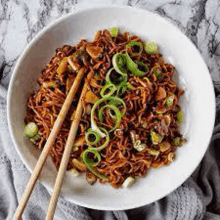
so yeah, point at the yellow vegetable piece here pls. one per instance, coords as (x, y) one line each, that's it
(62, 67)
(91, 97)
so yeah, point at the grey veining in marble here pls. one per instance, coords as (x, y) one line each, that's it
(21, 20)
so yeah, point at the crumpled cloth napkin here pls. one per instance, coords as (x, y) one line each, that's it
(197, 198)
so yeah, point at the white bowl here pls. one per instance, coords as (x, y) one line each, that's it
(198, 103)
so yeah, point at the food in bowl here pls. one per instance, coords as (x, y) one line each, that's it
(131, 112)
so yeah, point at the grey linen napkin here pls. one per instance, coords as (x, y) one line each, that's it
(197, 198)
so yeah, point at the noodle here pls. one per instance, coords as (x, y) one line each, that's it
(145, 111)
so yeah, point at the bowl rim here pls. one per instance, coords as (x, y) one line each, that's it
(53, 24)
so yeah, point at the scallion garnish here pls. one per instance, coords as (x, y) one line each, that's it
(92, 137)
(135, 44)
(150, 47)
(109, 89)
(90, 163)
(114, 31)
(31, 129)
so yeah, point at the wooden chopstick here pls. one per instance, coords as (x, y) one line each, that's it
(67, 151)
(50, 141)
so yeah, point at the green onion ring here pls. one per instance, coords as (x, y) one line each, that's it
(107, 78)
(95, 133)
(97, 103)
(118, 62)
(133, 67)
(90, 164)
(135, 43)
(116, 111)
(112, 89)
(105, 144)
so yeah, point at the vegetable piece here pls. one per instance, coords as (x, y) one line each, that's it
(35, 138)
(177, 141)
(161, 109)
(139, 146)
(73, 64)
(123, 79)
(31, 129)
(119, 63)
(111, 88)
(90, 97)
(74, 172)
(161, 93)
(91, 178)
(105, 143)
(135, 44)
(111, 100)
(128, 182)
(117, 114)
(90, 164)
(114, 31)
(154, 152)
(133, 67)
(79, 165)
(170, 157)
(142, 66)
(92, 137)
(169, 101)
(179, 117)
(164, 146)
(157, 72)
(150, 47)
(156, 138)
(62, 67)
(51, 84)
(94, 51)
(167, 119)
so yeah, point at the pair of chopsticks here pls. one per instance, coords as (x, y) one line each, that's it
(50, 141)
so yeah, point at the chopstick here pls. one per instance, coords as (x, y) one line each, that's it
(50, 141)
(67, 151)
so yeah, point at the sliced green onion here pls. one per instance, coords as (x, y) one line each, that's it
(128, 182)
(114, 31)
(110, 99)
(157, 73)
(169, 101)
(123, 79)
(156, 138)
(144, 66)
(90, 164)
(117, 114)
(154, 152)
(105, 143)
(119, 63)
(31, 129)
(179, 117)
(111, 87)
(95, 134)
(135, 43)
(133, 67)
(177, 141)
(139, 146)
(150, 47)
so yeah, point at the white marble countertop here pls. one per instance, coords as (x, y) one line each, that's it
(21, 20)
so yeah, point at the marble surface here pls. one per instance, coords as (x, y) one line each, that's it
(21, 20)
